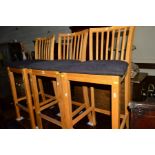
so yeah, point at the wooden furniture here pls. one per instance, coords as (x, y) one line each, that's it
(43, 48)
(115, 43)
(138, 83)
(70, 47)
(142, 114)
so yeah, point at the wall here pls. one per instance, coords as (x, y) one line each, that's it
(145, 46)
(26, 34)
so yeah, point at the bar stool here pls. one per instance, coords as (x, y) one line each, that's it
(110, 64)
(71, 50)
(43, 48)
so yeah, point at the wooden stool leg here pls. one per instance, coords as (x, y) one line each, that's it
(54, 83)
(41, 88)
(29, 99)
(93, 105)
(36, 101)
(127, 98)
(87, 103)
(14, 94)
(66, 102)
(116, 104)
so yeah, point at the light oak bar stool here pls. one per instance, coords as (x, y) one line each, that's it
(73, 47)
(71, 50)
(110, 64)
(43, 49)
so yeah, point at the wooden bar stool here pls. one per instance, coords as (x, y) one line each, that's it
(73, 47)
(110, 64)
(71, 50)
(43, 49)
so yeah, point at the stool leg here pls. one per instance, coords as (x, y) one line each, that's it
(66, 102)
(116, 104)
(29, 99)
(127, 98)
(40, 84)
(36, 101)
(14, 94)
(87, 103)
(93, 105)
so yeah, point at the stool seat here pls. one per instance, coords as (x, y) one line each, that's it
(97, 67)
(21, 64)
(53, 65)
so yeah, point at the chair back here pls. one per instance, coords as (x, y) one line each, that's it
(111, 43)
(73, 46)
(44, 48)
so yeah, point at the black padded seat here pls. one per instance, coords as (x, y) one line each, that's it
(98, 67)
(53, 65)
(22, 64)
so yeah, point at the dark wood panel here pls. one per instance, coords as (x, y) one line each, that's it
(146, 65)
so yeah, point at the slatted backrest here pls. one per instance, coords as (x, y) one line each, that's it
(44, 48)
(111, 43)
(72, 46)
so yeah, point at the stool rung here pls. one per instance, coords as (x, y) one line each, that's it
(21, 98)
(48, 105)
(52, 120)
(123, 122)
(46, 101)
(22, 107)
(78, 110)
(77, 103)
(78, 118)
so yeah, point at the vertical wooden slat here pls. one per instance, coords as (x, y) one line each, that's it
(107, 46)
(64, 46)
(59, 47)
(71, 48)
(49, 49)
(52, 48)
(97, 42)
(81, 46)
(112, 45)
(42, 50)
(118, 45)
(36, 49)
(90, 45)
(77, 48)
(74, 53)
(102, 44)
(67, 54)
(39, 49)
(45, 49)
(84, 46)
(123, 45)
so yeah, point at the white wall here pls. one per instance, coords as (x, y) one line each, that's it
(145, 46)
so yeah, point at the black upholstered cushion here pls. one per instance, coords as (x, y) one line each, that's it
(106, 67)
(22, 64)
(53, 65)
